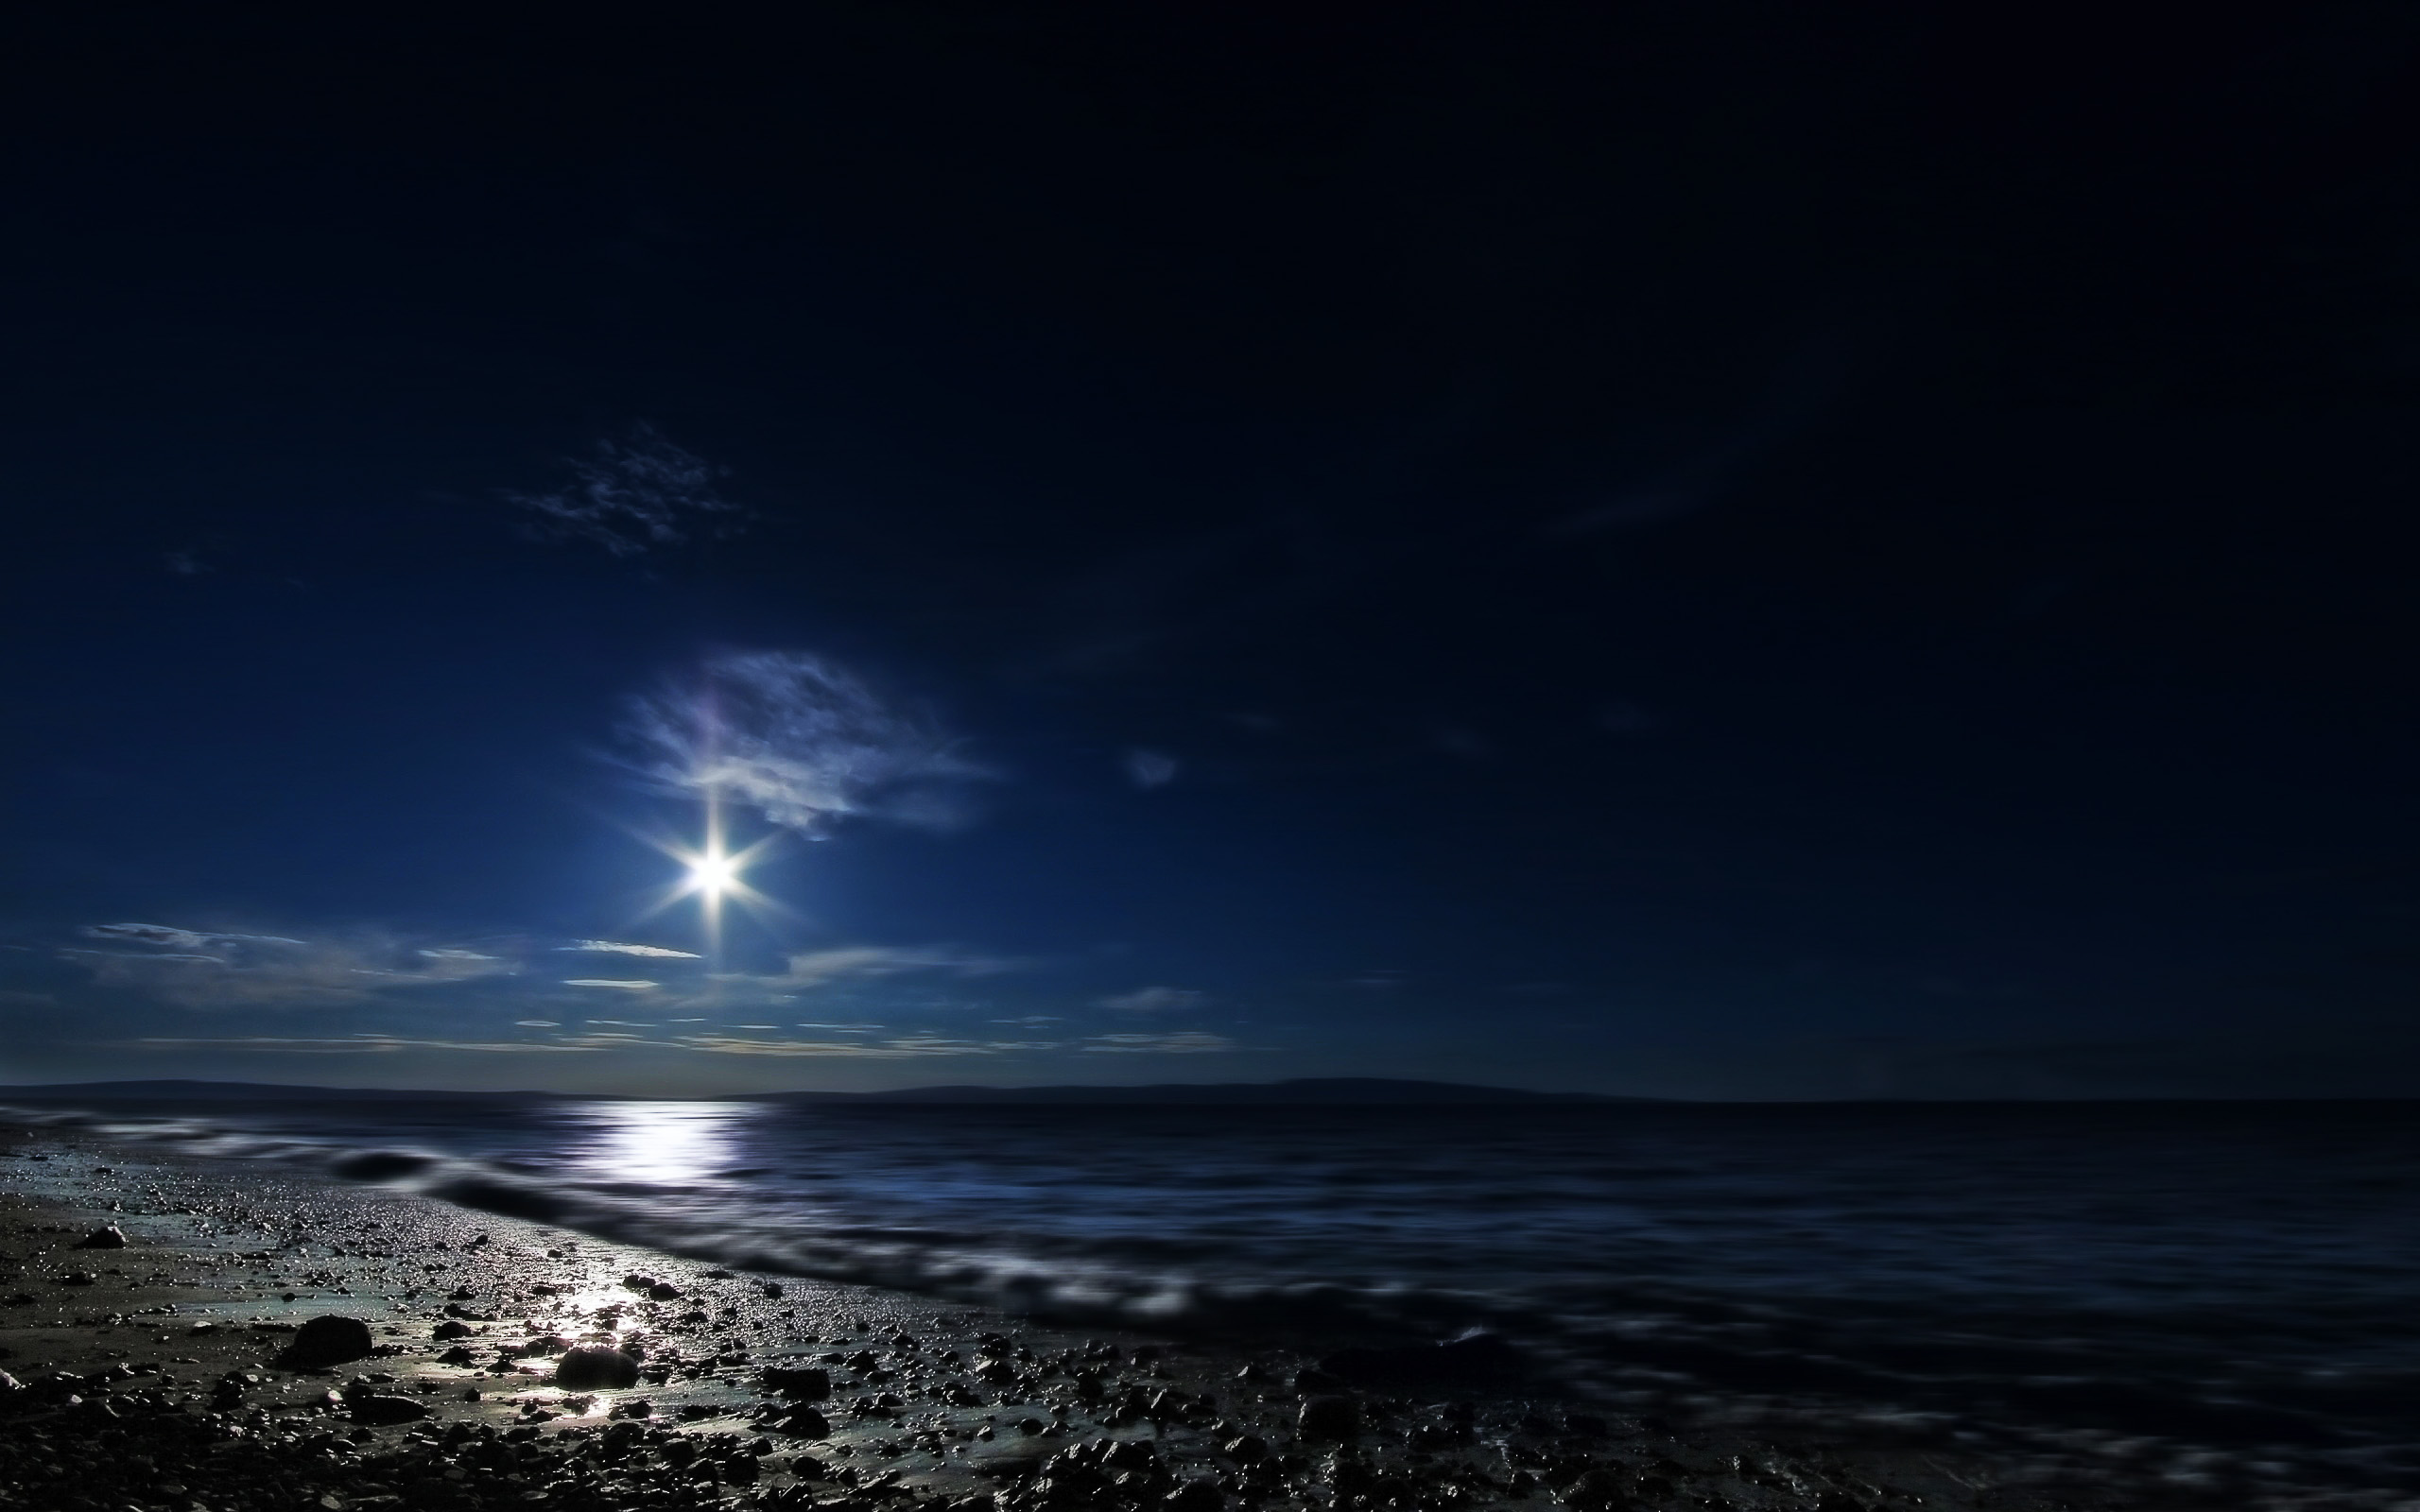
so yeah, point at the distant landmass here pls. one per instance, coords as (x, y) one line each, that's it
(1327, 1091)
(249, 1092)
(1324, 1092)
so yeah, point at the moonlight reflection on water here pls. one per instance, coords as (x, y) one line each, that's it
(657, 1144)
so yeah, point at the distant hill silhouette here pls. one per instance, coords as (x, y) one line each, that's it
(1324, 1091)
(249, 1091)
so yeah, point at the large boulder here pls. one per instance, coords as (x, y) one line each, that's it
(111, 1237)
(327, 1340)
(594, 1367)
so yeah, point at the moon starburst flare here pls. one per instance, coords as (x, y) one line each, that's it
(713, 873)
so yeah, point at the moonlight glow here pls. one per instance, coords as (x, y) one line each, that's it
(713, 875)
(712, 872)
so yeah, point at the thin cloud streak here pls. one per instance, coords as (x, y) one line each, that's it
(1191, 1043)
(361, 1045)
(1154, 1000)
(609, 947)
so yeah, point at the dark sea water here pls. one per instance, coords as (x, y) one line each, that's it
(2244, 1277)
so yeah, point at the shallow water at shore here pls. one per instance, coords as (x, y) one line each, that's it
(2230, 1278)
(160, 1372)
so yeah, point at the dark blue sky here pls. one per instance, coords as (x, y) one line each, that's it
(1707, 550)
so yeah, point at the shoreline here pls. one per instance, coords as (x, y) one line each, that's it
(151, 1381)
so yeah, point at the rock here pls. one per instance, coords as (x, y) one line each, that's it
(451, 1329)
(78, 1277)
(1195, 1496)
(1331, 1417)
(592, 1367)
(1131, 1455)
(665, 1292)
(803, 1422)
(327, 1340)
(1596, 1490)
(798, 1381)
(772, 1289)
(111, 1237)
(457, 1355)
(385, 1409)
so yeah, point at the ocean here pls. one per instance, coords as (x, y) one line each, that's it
(2238, 1277)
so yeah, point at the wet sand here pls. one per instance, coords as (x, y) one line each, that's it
(160, 1375)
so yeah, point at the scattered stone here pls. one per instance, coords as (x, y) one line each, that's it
(111, 1237)
(799, 1381)
(802, 1421)
(1195, 1496)
(1596, 1490)
(326, 1340)
(1330, 1419)
(594, 1366)
(384, 1410)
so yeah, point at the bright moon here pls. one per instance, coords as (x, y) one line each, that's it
(712, 874)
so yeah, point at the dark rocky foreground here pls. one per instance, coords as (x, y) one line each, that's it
(240, 1339)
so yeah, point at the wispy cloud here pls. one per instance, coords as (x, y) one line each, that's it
(1150, 768)
(1191, 1043)
(906, 1048)
(1154, 999)
(222, 970)
(618, 982)
(366, 1044)
(636, 494)
(609, 947)
(193, 942)
(801, 740)
(813, 968)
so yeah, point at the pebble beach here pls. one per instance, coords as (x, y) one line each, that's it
(182, 1335)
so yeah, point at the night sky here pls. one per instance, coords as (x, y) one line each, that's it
(1690, 549)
